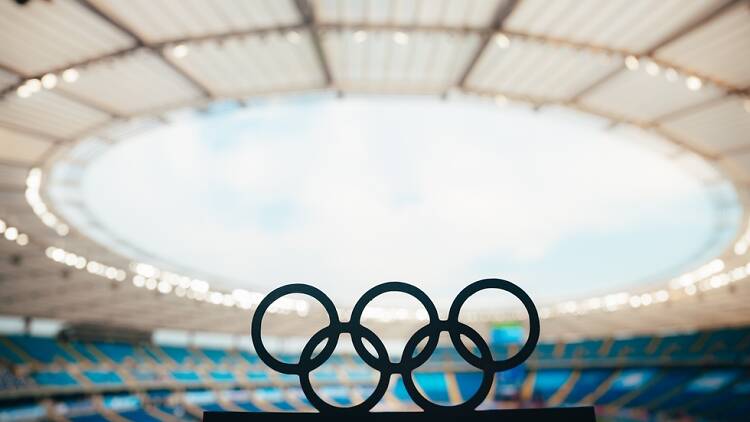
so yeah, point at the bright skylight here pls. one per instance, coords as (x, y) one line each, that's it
(348, 193)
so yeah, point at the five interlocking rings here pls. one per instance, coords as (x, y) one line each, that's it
(408, 362)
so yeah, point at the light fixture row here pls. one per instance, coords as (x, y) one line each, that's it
(80, 262)
(34, 199)
(48, 81)
(12, 234)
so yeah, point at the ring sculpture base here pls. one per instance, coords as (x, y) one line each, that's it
(562, 414)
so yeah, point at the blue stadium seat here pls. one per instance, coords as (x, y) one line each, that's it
(585, 349)
(629, 347)
(222, 376)
(215, 355)
(705, 384)
(138, 415)
(433, 385)
(548, 381)
(186, 376)
(468, 383)
(102, 377)
(178, 354)
(627, 381)
(54, 378)
(117, 352)
(588, 381)
(249, 357)
(43, 349)
(544, 351)
(95, 417)
(9, 356)
(247, 406)
(84, 351)
(259, 376)
(664, 382)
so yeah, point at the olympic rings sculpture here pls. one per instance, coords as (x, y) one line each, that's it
(408, 362)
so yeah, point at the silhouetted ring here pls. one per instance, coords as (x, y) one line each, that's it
(485, 356)
(313, 397)
(404, 364)
(495, 283)
(304, 366)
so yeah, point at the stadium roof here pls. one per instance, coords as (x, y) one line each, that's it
(76, 70)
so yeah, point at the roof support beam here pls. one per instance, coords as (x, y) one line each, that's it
(679, 33)
(501, 15)
(308, 17)
(140, 43)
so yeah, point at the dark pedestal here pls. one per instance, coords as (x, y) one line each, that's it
(572, 414)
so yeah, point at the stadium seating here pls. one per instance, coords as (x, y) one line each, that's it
(704, 373)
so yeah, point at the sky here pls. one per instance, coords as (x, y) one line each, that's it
(347, 193)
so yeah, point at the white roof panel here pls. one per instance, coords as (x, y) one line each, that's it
(249, 65)
(20, 147)
(46, 35)
(633, 25)
(415, 62)
(49, 113)
(539, 70)
(132, 83)
(435, 13)
(160, 20)
(721, 127)
(636, 95)
(720, 49)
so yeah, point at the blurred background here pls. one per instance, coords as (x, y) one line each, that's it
(164, 164)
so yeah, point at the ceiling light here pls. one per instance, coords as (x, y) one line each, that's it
(34, 85)
(671, 75)
(631, 62)
(401, 38)
(502, 41)
(2, 226)
(49, 81)
(652, 68)
(70, 75)
(11, 233)
(180, 51)
(360, 36)
(693, 83)
(22, 239)
(293, 37)
(23, 91)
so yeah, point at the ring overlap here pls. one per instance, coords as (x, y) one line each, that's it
(309, 361)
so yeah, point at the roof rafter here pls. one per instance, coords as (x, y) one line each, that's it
(308, 18)
(674, 36)
(142, 44)
(504, 11)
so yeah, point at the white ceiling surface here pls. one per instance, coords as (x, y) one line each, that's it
(719, 49)
(638, 96)
(143, 82)
(427, 63)
(238, 67)
(162, 20)
(129, 80)
(418, 13)
(633, 25)
(55, 34)
(529, 68)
